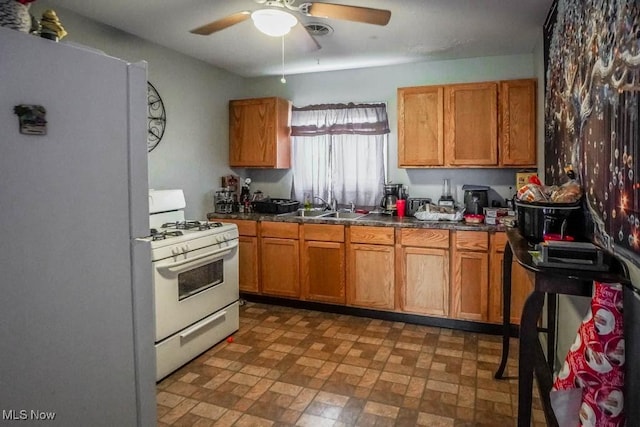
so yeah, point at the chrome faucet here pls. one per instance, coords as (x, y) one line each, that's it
(352, 207)
(326, 204)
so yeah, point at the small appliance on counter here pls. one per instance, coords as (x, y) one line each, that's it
(274, 206)
(537, 219)
(224, 201)
(446, 199)
(390, 195)
(476, 198)
(414, 203)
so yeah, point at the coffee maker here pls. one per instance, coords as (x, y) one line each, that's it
(390, 195)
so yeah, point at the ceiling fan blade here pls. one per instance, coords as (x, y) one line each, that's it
(302, 37)
(350, 13)
(223, 23)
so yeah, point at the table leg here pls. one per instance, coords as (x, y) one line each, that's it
(528, 339)
(506, 308)
(552, 300)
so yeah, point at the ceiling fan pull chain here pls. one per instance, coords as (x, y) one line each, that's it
(283, 80)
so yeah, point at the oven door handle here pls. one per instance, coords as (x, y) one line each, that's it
(196, 328)
(200, 259)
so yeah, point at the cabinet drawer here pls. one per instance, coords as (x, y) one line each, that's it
(246, 227)
(499, 241)
(424, 238)
(472, 240)
(282, 230)
(371, 235)
(323, 232)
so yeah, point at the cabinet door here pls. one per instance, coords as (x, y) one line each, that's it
(518, 123)
(248, 250)
(280, 267)
(248, 253)
(323, 271)
(246, 227)
(420, 126)
(259, 133)
(471, 124)
(424, 281)
(470, 275)
(370, 276)
(521, 283)
(470, 285)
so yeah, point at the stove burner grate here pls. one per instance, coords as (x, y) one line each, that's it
(192, 225)
(161, 235)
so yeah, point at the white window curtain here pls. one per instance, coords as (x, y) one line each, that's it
(338, 152)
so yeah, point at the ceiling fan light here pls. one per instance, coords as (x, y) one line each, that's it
(273, 22)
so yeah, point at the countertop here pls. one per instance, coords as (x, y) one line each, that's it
(371, 219)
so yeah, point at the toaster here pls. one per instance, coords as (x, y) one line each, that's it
(413, 203)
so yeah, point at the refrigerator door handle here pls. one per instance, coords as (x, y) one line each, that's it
(198, 327)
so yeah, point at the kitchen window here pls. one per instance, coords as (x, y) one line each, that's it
(339, 152)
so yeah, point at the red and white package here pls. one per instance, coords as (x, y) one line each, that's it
(595, 361)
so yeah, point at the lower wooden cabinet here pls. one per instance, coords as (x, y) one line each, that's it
(521, 282)
(248, 254)
(280, 253)
(248, 248)
(422, 276)
(470, 275)
(452, 274)
(322, 263)
(371, 267)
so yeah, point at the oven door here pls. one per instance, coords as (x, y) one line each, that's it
(191, 286)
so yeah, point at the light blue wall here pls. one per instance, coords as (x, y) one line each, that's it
(380, 84)
(193, 153)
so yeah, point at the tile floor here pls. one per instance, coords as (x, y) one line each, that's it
(293, 367)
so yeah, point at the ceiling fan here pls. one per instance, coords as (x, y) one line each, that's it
(275, 19)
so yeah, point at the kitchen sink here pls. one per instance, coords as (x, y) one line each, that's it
(343, 215)
(322, 214)
(313, 213)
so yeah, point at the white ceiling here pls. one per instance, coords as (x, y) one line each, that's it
(419, 30)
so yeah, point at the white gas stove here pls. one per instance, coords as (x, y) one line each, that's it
(195, 274)
(181, 237)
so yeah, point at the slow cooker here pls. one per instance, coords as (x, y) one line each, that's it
(535, 219)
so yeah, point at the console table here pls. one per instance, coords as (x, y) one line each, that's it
(549, 282)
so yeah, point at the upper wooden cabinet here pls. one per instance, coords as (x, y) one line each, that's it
(485, 125)
(518, 122)
(471, 124)
(259, 133)
(421, 126)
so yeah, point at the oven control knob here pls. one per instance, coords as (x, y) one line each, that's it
(219, 239)
(175, 251)
(185, 249)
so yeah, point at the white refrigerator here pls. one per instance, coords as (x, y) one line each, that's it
(76, 302)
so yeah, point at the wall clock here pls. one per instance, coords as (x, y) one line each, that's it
(156, 117)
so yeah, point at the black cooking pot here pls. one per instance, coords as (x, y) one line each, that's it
(535, 219)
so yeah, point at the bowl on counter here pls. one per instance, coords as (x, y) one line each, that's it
(474, 218)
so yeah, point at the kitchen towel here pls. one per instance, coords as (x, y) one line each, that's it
(595, 365)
